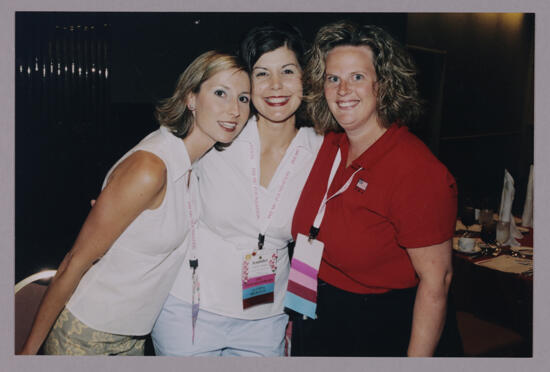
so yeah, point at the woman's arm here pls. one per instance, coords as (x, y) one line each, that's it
(434, 268)
(138, 183)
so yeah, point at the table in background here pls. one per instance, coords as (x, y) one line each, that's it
(498, 297)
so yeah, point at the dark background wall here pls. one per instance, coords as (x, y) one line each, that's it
(476, 73)
(487, 109)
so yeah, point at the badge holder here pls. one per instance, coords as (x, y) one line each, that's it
(301, 295)
(258, 275)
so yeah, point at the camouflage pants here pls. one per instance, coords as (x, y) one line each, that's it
(69, 336)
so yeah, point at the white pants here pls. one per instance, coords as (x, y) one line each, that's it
(216, 335)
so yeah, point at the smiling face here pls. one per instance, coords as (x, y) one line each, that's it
(350, 87)
(277, 85)
(221, 107)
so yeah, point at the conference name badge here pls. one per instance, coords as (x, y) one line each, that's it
(301, 295)
(258, 277)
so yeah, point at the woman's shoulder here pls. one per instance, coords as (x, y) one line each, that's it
(414, 156)
(311, 139)
(156, 140)
(143, 168)
(146, 160)
(412, 148)
(332, 141)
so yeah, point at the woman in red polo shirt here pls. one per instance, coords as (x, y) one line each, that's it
(386, 265)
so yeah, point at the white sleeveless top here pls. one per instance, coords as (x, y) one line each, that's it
(229, 226)
(124, 291)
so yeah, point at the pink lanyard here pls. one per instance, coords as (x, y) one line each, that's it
(265, 220)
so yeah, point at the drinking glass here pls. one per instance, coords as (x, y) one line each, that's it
(485, 216)
(468, 216)
(488, 232)
(503, 233)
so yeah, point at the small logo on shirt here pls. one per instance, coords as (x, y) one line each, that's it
(361, 185)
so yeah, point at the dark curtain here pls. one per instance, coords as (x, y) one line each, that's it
(62, 114)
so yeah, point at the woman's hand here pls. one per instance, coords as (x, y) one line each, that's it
(434, 268)
(138, 183)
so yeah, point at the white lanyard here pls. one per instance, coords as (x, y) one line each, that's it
(265, 220)
(193, 229)
(193, 263)
(193, 225)
(322, 208)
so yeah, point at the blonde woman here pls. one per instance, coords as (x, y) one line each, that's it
(110, 287)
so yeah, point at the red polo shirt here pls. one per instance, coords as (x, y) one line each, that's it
(403, 198)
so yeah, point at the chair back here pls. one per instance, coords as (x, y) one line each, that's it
(28, 295)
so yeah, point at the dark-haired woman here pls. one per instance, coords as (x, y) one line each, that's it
(110, 287)
(248, 193)
(386, 264)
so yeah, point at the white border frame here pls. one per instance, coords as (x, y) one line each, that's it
(541, 344)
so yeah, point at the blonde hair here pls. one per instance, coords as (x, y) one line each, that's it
(173, 112)
(397, 98)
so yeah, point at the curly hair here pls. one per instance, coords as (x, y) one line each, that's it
(173, 112)
(397, 98)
